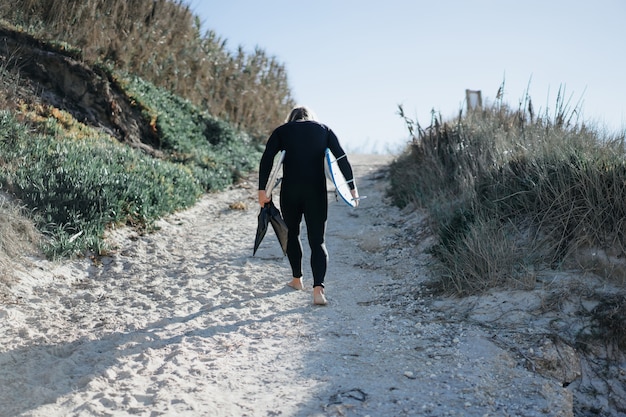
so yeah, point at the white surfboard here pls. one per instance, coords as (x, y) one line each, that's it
(333, 173)
(274, 180)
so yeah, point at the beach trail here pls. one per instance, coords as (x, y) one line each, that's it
(184, 321)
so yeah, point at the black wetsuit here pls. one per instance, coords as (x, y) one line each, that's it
(303, 189)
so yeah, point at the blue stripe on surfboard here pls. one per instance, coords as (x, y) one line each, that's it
(341, 185)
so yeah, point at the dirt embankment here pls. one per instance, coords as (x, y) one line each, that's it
(59, 78)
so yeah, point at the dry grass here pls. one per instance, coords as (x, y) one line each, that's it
(488, 255)
(500, 182)
(18, 236)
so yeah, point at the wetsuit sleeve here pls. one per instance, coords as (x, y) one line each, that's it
(342, 158)
(267, 159)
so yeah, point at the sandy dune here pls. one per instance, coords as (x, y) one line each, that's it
(185, 322)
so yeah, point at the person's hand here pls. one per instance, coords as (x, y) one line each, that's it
(263, 198)
(355, 196)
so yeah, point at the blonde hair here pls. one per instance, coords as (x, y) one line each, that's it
(301, 113)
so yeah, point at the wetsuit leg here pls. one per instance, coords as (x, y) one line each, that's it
(292, 212)
(315, 215)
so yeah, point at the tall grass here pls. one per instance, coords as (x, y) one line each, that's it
(510, 192)
(160, 41)
(18, 236)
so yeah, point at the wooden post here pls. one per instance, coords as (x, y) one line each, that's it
(474, 100)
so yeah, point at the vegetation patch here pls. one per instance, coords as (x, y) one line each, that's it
(18, 236)
(111, 117)
(214, 151)
(510, 192)
(77, 187)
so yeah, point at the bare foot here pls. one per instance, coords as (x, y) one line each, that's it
(318, 296)
(296, 284)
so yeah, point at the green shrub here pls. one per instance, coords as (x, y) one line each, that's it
(76, 188)
(215, 152)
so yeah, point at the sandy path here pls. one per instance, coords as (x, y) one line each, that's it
(184, 321)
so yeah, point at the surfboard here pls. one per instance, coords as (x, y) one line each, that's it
(333, 173)
(274, 180)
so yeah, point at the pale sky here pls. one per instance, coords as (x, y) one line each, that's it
(353, 62)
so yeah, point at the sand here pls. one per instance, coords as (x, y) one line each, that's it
(184, 321)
